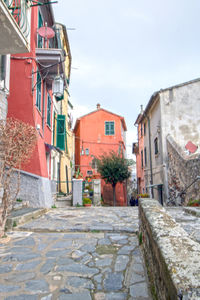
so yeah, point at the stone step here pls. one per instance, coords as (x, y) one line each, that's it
(59, 203)
(23, 215)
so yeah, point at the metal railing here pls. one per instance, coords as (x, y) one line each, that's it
(183, 192)
(18, 9)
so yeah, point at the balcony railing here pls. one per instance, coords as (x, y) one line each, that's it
(18, 9)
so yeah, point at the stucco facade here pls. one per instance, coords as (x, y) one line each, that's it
(138, 149)
(97, 133)
(15, 38)
(171, 112)
(32, 100)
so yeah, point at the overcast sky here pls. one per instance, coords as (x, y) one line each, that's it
(125, 50)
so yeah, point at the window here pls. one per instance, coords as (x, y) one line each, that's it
(141, 130)
(142, 164)
(109, 128)
(87, 151)
(61, 132)
(156, 146)
(40, 24)
(49, 110)
(89, 172)
(38, 91)
(144, 128)
(2, 67)
(145, 156)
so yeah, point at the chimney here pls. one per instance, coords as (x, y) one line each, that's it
(98, 106)
(141, 109)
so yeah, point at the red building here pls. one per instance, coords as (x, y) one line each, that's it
(99, 132)
(31, 99)
(140, 151)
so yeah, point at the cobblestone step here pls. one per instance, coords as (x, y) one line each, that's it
(23, 215)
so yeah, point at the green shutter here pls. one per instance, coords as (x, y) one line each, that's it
(40, 24)
(49, 111)
(112, 130)
(59, 98)
(107, 128)
(61, 132)
(38, 91)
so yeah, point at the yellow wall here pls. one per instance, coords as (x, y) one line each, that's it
(67, 156)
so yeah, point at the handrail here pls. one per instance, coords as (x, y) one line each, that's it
(183, 192)
(18, 9)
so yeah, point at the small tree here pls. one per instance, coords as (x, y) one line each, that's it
(113, 169)
(17, 141)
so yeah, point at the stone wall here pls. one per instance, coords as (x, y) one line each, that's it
(172, 258)
(34, 190)
(182, 171)
(3, 106)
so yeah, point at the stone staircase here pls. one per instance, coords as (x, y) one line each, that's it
(63, 201)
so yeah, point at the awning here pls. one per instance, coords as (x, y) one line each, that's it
(51, 147)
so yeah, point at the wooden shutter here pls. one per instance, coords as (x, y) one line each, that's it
(61, 132)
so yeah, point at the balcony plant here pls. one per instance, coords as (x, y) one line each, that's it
(87, 202)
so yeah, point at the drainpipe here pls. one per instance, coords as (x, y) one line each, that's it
(150, 155)
(43, 107)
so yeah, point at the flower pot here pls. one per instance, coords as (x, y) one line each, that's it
(87, 205)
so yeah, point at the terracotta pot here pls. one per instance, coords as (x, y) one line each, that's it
(87, 205)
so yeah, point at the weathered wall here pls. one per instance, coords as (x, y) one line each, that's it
(3, 106)
(34, 189)
(182, 171)
(172, 258)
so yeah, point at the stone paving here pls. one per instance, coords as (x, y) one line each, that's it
(190, 222)
(75, 254)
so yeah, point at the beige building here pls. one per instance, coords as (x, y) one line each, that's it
(63, 138)
(171, 154)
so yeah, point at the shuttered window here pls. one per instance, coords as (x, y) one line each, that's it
(61, 132)
(39, 38)
(38, 91)
(109, 128)
(49, 110)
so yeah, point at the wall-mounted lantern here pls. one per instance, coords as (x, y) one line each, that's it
(58, 87)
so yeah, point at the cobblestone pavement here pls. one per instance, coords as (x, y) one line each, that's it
(75, 254)
(189, 222)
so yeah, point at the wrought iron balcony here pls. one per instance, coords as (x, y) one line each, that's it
(51, 58)
(18, 9)
(14, 26)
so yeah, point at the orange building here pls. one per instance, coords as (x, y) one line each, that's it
(99, 132)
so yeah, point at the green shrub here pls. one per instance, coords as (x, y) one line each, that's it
(87, 201)
(19, 200)
(14, 224)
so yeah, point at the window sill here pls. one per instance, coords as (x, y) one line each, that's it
(38, 110)
(48, 127)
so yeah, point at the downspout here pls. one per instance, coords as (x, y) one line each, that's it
(43, 106)
(150, 156)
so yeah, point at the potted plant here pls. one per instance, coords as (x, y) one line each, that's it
(87, 201)
(194, 203)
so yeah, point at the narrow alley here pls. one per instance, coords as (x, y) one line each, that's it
(75, 253)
